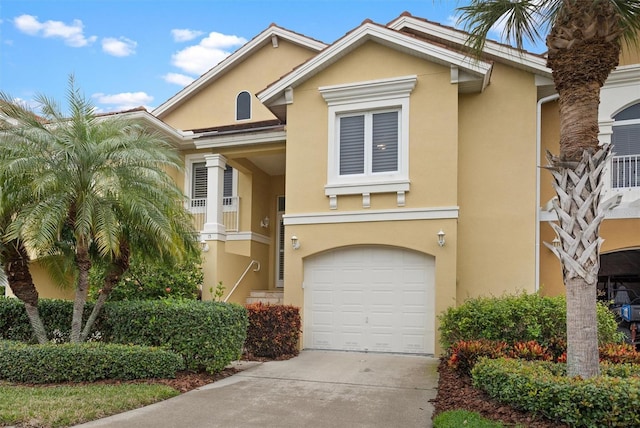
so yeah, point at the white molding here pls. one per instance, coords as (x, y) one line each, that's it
(235, 58)
(213, 141)
(248, 236)
(213, 236)
(368, 91)
(623, 76)
(435, 213)
(624, 211)
(370, 31)
(370, 186)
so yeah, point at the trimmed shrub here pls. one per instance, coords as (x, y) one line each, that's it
(86, 362)
(273, 332)
(543, 388)
(518, 318)
(208, 335)
(152, 281)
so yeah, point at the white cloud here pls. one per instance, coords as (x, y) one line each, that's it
(184, 35)
(210, 51)
(73, 35)
(124, 100)
(119, 47)
(178, 79)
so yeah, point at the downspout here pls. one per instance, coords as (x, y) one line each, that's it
(538, 160)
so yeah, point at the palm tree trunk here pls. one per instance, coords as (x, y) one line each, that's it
(580, 213)
(583, 47)
(83, 263)
(20, 281)
(117, 268)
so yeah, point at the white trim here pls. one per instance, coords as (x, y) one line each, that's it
(355, 38)
(532, 62)
(367, 97)
(213, 236)
(235, 58)
(248, 236)
(435, 213)
(212, 141)
(623, 76)
(624, 211)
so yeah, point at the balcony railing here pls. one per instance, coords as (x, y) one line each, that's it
(230, 213)
(625, 171)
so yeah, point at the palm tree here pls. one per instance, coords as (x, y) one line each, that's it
(584, 41)
(92, 178)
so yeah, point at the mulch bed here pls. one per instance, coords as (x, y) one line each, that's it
(455, 391)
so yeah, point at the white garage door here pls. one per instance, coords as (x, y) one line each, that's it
(372, 298)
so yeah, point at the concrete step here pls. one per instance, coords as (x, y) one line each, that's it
(272, 297)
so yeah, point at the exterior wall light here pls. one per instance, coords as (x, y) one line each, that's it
(294, 242)
(556, 242)
(204, 246)
(264, 223)
(441, 240)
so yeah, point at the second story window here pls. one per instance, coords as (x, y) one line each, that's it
(626, 148)
(243, 106)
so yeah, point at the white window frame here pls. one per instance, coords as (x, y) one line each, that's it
(368, 97)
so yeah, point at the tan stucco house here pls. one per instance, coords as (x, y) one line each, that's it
(377, 180)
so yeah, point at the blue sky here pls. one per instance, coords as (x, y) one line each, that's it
(129, 53)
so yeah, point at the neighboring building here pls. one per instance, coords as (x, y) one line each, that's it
(383, 178)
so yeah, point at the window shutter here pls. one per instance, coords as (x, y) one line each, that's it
(385, 142)
(199, 182)
(626, 140)
(351, 145)
(227, 183)
(243, 106)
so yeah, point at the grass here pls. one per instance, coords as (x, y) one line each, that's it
(61, 406)
(463, 418)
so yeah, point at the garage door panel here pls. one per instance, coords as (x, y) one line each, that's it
(381, 299)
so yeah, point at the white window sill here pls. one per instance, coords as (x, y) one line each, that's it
(333, 190)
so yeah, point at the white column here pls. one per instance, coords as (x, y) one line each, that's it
(214, 226)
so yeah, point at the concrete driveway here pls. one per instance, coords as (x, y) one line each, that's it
(315, 389)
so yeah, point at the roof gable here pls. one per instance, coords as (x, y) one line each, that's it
(464, 69)
(518, 58)
(268, 36)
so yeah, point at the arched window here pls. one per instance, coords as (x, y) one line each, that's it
(243, 106)
(626, 148)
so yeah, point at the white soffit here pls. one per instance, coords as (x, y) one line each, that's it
(266, 37)
(385, 36)
(521, 59)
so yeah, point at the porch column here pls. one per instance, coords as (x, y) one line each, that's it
(214, 226)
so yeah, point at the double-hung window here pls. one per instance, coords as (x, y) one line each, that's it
(368, 147)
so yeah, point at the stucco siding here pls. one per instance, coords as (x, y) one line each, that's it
(497, 186)
(214, 105)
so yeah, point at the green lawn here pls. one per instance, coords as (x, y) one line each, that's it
(463, 418)
(61, 406)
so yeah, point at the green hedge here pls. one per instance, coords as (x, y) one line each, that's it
(517, 318)
(208, 335)
(85, 362)
(610, 400)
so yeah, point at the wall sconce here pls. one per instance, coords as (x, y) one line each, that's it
(556, 242)
(264, 222)
(441, 240)
(204, 246)
(294, 242)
